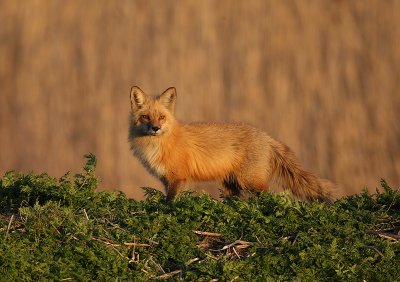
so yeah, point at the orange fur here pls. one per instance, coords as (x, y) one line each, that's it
(240, 156)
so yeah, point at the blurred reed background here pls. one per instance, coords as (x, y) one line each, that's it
(321, 76)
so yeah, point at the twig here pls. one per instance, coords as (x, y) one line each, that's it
(236, 253)
(116, 226)
(84, 181)
(134, 256)
(244, 243)
(373, 249)
(86, 215)
(109, 241)
(238, 244)
(9, 225)
(152, 241)
(157, 265)
(169, 274)
(55, 228)
(205, 233)
(385, 235)
(111, 244)
(115, 249)
(192, 261)
(394, 198)
(295, 238)
(106, 241)
(133, 259)
(137, 244)
(291, 237)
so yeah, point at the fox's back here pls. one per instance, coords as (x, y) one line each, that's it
(214, 150)
(224, 136)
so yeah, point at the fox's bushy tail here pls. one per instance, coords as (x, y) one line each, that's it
(288, 173)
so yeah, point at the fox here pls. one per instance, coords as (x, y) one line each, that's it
(239, 156)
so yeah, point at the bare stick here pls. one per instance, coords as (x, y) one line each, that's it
(205, 233)
(134, 249)
(9, 225)
(385, 235)
(238, 244)
(192, 261)
(157, 265)
(137, 244)
(394, 197)
(86, 215)
(236, 253)
(106, 241)
(169, 274)
(373, 249)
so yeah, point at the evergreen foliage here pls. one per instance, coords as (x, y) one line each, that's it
(62, 229)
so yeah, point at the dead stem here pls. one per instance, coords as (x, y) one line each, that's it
(9, 225)
(169, 274)
(205, 233)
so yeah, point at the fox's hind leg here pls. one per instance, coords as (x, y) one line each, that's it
(235, 185)
(253, 181)
(232, 187)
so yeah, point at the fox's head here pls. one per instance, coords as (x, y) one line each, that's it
(152, 115)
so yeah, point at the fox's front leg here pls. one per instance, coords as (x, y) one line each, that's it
(173, 187)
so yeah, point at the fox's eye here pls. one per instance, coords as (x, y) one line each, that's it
(162, 117)
(144, 116)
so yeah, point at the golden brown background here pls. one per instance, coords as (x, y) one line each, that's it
(321, 76)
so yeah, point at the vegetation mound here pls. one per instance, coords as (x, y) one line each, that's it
(62, 229)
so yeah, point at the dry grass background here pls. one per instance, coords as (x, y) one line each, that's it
(321, 76)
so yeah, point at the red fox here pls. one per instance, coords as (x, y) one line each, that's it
(240, 156)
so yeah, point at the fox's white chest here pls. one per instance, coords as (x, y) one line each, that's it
(151, 157)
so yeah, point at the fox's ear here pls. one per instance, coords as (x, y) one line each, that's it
(137, 98)
(168, 98)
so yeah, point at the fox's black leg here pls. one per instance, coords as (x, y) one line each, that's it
(232, 187)
(173, 188)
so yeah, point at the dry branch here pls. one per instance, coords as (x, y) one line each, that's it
(390, 236)
(192, 261)
(9, 225)
(205, 233)
(374, 249)
(239, 244)
(169, 274)
(106, 241)
(137, 244)
(85, 213)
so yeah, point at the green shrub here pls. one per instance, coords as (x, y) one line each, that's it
(62, 229)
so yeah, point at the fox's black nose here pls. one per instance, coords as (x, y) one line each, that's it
(155, 128)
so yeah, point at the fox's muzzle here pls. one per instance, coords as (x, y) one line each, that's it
(153, 129)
